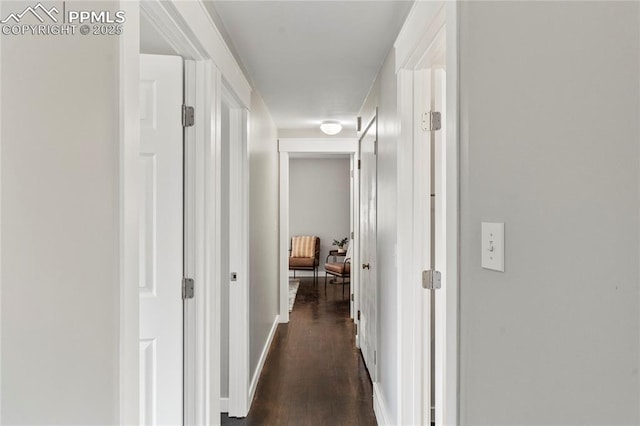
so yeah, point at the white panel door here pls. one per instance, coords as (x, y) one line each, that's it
(368, 229)
(161, 240)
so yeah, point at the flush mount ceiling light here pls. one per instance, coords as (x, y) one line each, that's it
(331, 127)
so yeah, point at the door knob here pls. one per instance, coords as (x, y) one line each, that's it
(365, 266)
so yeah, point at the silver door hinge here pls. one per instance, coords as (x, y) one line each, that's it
(358, 315)
(431, 121)
(188, 116)
(358, 124)
(359, 164)
(188, 288)
(352, 298)
(431, 280)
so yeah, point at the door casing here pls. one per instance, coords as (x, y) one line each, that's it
(428, 36)
(193, 35)
(311, 146)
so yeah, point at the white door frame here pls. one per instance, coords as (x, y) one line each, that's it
(238, 246)
(191, 32)
(310, 146)
(417, 44)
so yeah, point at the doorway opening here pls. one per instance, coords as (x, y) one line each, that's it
(320, 206)
(291, 150)
(427, 73)
(179, 30)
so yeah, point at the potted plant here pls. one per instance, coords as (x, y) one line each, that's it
(340, 244)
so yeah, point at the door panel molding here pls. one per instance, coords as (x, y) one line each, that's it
(161, 239)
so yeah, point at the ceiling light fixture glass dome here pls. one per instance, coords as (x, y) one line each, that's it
(331, 127)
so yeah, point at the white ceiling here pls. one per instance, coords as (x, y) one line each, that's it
(311, 60)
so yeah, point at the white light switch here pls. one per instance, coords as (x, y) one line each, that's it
(493, 246)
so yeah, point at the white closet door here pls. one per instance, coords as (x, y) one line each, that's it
(161, 240)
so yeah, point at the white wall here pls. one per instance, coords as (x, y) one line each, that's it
(549, 143)
(383, 95)
(263, 228)
(60, 227)
(319, 201)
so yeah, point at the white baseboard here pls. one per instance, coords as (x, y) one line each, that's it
(224, 405)
(261, 361)
(379, 406)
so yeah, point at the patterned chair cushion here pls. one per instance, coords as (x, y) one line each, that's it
(303, 246)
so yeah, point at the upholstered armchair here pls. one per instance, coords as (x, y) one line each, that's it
(304, 255)
(340, 270)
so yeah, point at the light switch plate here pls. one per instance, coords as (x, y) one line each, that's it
(493, 246)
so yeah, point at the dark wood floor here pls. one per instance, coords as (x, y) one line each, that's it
(314, 375)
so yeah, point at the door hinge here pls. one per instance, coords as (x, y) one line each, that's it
(358, 314)
(431, 121)
(352, 298)
(375, 357)
(358, 124)
(431, 280)
(188, 288)
(359, 163)
(352, 235)
(188, 116)
(356, 329)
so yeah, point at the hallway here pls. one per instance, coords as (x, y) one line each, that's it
(313, 375)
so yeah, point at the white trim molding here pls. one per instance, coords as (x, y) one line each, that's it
(224, 405)
(310, 146)
(239, 333)
(430, 29)
(191, 31)
(425, 20)
(452, 232)
(263, 359)
(379, 406)
(284, 237)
